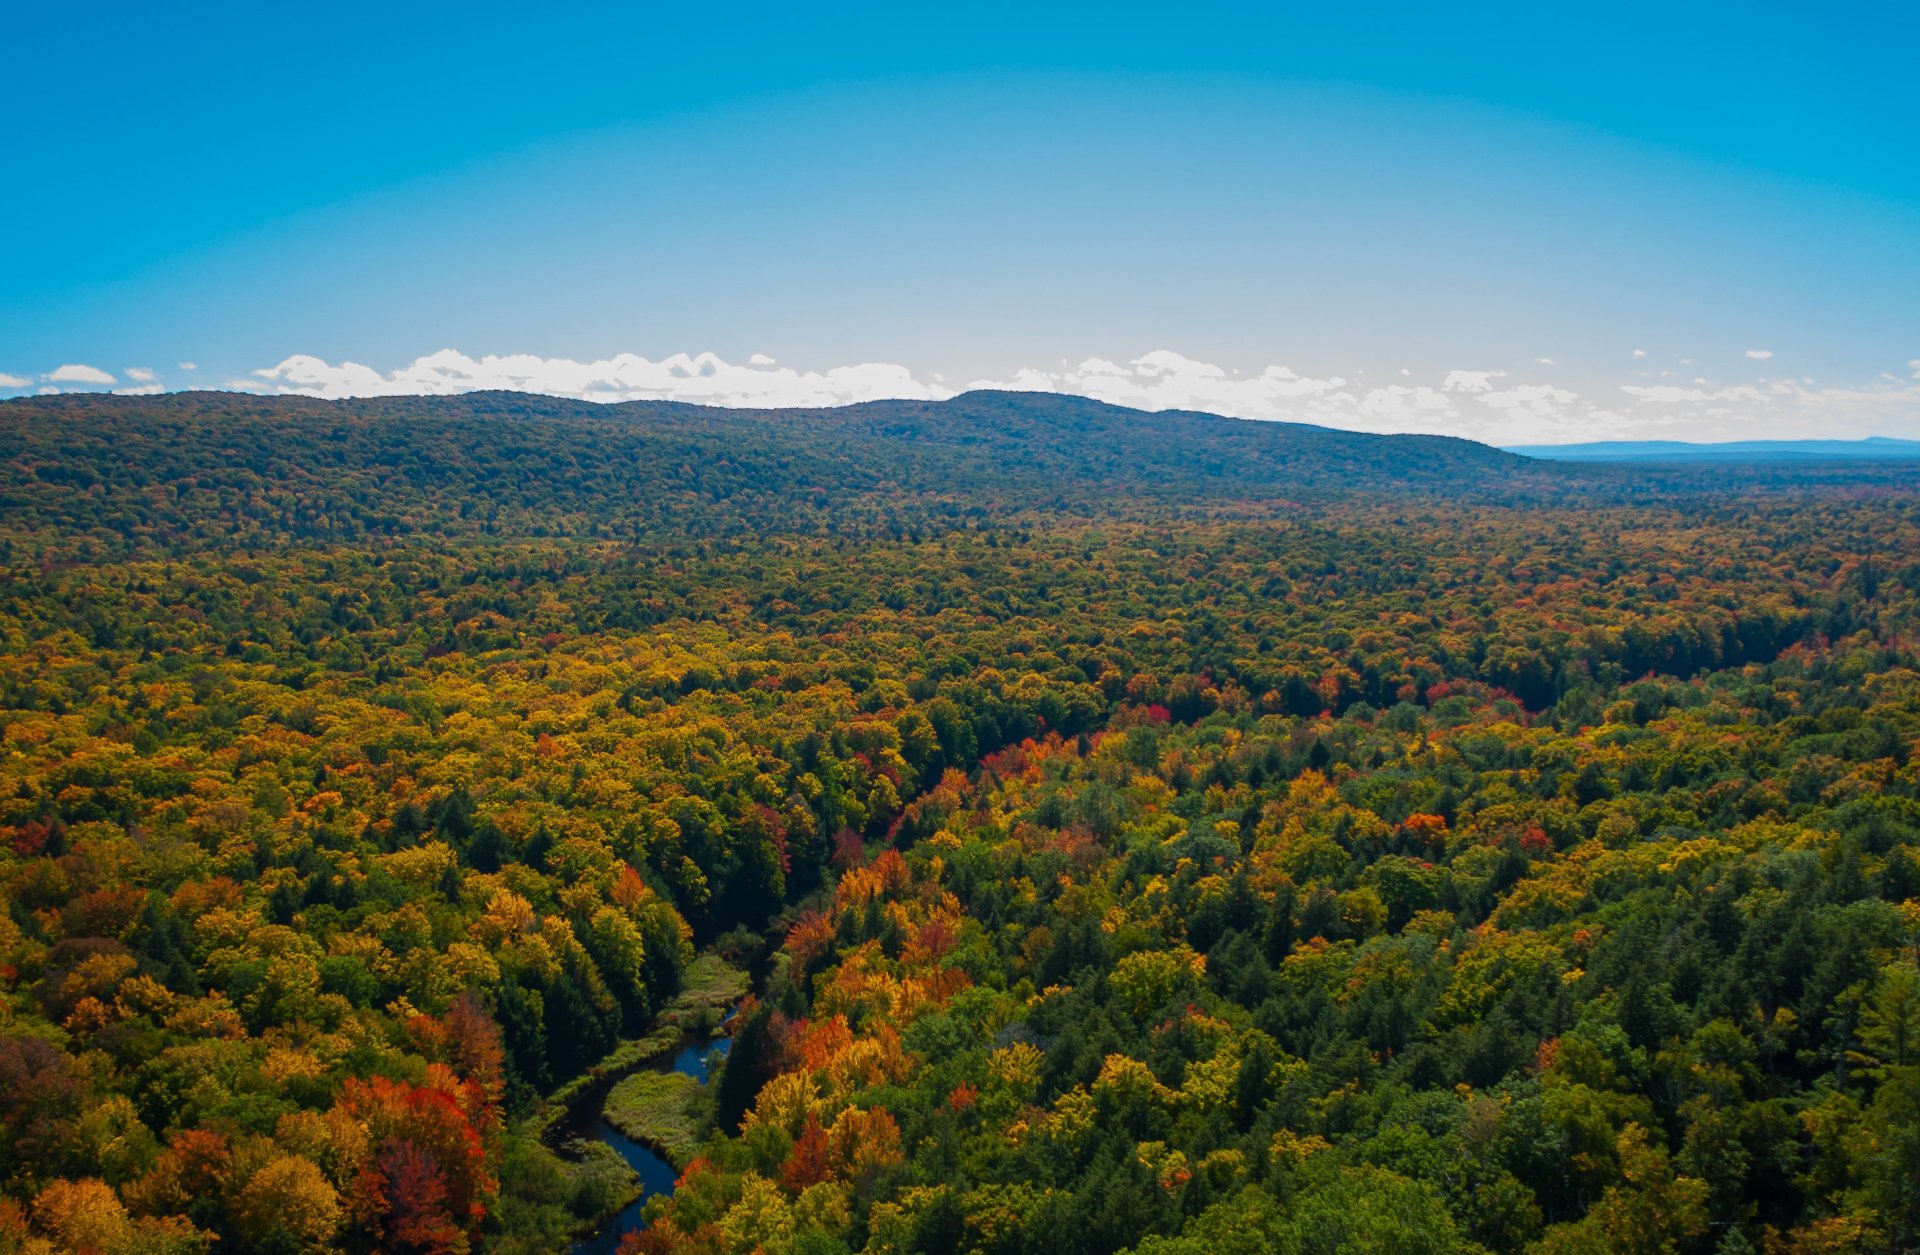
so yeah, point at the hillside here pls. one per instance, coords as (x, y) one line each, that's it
(196, 469)
(98, 474)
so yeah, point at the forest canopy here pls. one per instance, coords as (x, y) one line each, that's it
(1174, 833)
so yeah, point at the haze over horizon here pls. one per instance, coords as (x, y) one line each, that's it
(1488, 223)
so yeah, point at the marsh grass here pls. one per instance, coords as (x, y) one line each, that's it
(659, 1109)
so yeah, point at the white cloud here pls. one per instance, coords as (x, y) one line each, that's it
(1759, 355)
(1472, 380)
(705, 379)
(1542, 399)
(1535, 407)
(1667, 394)
(13, 381)
(761, 359)
(1167, 362)
(140, 374)
(189, 366)
(1639, 352)
(80, 374)
(1402, 404)
(1164, 380)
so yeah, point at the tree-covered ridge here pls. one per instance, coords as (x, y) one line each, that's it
(217, 469)
(1494, 819)
(85, 476)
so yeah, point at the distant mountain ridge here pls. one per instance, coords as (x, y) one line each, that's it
(1873, 448)
(224, 469)
(91, 475)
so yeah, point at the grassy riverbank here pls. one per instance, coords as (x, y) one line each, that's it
(662, 1110)
(710, 986)
(547, 1198)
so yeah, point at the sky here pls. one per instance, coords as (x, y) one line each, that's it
(1520, 223)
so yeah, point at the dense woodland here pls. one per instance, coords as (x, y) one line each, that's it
(1177, 834)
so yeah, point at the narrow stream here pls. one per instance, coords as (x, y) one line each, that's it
(656, 1174)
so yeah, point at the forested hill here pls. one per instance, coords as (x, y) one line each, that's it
(89, 476)
(195, 469)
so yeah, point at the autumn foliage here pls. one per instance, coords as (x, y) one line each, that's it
(1180, 833)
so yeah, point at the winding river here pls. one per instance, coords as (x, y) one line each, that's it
(656, 1174)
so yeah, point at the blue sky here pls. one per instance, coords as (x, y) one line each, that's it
(1509, 221)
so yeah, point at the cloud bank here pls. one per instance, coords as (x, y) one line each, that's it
(1502, 406)
(704, 379)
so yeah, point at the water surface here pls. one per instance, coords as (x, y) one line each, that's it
(656, 1174)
